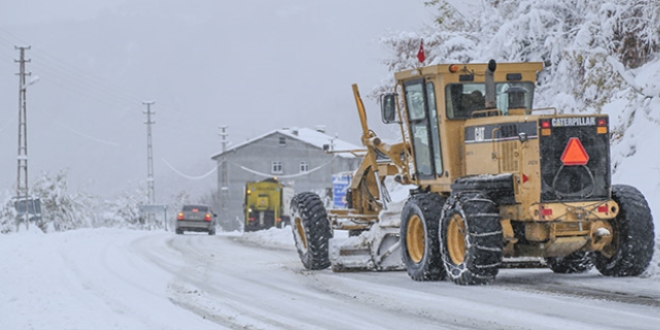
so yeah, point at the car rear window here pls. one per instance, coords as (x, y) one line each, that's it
(199, 208)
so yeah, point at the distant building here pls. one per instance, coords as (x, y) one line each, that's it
(294, 156)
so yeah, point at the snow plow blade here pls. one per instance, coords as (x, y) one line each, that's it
(376, 249)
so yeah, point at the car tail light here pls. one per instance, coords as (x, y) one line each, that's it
(207, 217)
(251, 219)
(179, 216)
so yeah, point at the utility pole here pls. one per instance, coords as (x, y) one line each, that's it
(224, 180)
(150, 155)
(22, 189)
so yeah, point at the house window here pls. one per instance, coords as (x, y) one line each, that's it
(304, 167)
(276, 167)
(282, 140)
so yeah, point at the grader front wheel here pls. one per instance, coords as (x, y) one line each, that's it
(311, 230)
(415, 242)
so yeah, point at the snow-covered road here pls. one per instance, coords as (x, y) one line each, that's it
(123, 279)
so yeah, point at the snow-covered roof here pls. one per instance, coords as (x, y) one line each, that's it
(313, 137)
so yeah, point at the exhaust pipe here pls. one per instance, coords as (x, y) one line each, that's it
(490, 85)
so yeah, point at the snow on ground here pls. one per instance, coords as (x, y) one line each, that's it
(128, 279)
(84, 279)
(273, 237)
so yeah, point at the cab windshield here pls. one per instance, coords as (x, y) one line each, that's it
(463, 99)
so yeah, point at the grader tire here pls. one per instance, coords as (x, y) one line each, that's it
(419, 237)
(633, 239)
(574, 263)
(311, 230)
(471, 239)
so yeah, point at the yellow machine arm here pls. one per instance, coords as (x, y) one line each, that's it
(394, 166)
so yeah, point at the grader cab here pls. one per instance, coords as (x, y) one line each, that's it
(498, 180)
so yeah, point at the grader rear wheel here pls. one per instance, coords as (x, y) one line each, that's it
(456, 239)
(633, 240)
(419, 237)
(471, 239)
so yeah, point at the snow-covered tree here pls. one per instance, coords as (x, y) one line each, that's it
(591, 50)
(62, 210)
(7, 213)
(124, 211)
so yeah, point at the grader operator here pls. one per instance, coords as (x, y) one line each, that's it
(496, 180)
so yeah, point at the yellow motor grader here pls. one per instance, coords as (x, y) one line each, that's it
(497, 180)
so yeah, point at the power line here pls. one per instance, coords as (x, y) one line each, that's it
(74, 79)
(75, 72)
(79, 81)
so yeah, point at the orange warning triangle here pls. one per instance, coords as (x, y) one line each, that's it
(574, 154)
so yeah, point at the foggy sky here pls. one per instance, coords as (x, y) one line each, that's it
(254, 66)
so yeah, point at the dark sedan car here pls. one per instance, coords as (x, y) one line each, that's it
(196, 217)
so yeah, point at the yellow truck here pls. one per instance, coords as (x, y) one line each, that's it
(266, 204)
